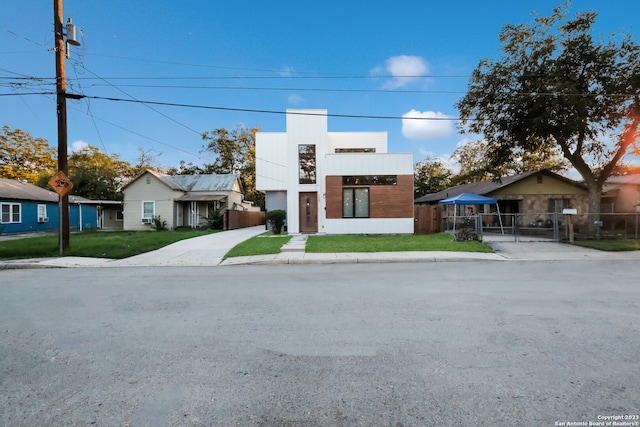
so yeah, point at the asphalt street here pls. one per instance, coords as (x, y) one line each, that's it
(422, 344)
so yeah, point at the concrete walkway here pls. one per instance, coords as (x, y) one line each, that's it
(209, 250)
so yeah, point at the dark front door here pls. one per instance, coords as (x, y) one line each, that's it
(308, 212)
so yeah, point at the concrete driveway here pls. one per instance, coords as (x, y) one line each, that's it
(199, 251)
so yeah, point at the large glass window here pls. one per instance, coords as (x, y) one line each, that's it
(355, 203)
(307, 163)
(10, 213)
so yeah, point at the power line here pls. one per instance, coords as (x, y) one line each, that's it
(297, 89)
(247, 110)
(146, 104)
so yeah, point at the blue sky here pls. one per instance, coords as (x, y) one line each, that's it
(240, 57)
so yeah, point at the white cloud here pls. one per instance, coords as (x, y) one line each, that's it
(426, 125)
(287, 71)
(295, 99)
(78, 146)
(404, 69)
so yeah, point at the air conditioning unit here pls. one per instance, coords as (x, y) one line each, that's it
(43, 219)
(147, 220)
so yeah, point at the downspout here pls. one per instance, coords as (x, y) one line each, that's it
(80, 216)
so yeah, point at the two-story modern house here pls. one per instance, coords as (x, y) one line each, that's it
(334, 182)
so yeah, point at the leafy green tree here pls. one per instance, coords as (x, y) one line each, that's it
(430, 176)
(473, 158)
(96, 175)
(23, 157)
(556, 87)
(235, 153)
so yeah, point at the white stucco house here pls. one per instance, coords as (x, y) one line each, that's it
(181, 200)
(334, 182)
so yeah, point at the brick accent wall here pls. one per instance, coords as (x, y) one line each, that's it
(385, 201)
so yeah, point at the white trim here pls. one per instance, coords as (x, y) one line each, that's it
(147, 219)
(11, 213)
(42, 213)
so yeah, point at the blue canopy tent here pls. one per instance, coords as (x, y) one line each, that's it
(470, 199)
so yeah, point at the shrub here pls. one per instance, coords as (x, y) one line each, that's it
(158, 223)
(214, 219)
(276, 219)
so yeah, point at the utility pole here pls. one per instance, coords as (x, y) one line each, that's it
(61, 104)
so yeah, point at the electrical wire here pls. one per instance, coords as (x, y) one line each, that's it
(248, 110)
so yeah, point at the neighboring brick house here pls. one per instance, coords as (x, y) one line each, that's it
(334, 182)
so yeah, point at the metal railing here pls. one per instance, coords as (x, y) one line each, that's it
(548, 225)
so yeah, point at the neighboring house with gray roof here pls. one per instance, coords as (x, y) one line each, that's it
(26, 208)
(180, 200)
(522, 193)
(536, 195)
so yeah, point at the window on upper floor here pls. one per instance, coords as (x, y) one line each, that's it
(355, 150)
(370, 180)
(307, 163)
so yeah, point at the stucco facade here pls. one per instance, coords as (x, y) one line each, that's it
(621, 194)
(334, 182)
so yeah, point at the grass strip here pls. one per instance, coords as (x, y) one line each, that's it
(610, 245)
(391, 243)
(263, 244)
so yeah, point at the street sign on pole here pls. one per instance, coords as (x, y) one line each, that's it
(61, 184)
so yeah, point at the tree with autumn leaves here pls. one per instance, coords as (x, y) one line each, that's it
(25, 158)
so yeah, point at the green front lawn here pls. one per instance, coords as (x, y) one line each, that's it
(610, 245)
(100, 244)
(264, 244)
(392, 243)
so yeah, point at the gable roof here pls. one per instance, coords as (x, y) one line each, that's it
(13, 189)
(194, 183)
(487, 187)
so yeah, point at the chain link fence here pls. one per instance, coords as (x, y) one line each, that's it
(545, 226)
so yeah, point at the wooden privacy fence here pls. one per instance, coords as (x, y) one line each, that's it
(427, 219)
(242, 219)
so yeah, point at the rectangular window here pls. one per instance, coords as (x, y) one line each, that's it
(10, 213)
(42, 213)
(307, 163)
(355, 203)
(355, 150)
(370, 180)
(148, 212)
(119, 216)
(557, 205)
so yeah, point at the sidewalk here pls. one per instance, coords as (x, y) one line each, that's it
(209, 251)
